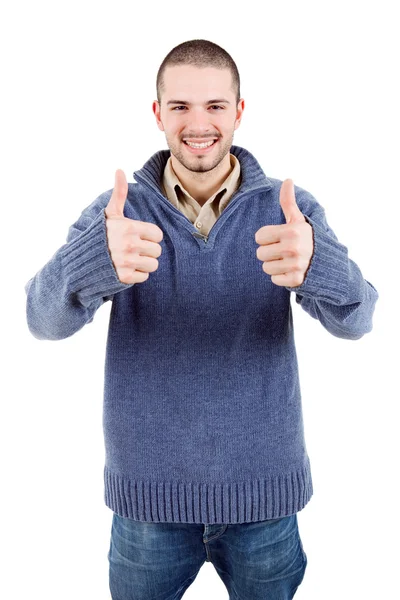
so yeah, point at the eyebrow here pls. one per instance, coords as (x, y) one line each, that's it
(217, 100)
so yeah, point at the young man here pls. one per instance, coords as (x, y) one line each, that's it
(205, 452)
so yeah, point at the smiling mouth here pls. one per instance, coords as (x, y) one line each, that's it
(201, 147)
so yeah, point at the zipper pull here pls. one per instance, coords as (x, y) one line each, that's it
(200, 235)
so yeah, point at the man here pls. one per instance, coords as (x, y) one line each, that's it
(205, 452)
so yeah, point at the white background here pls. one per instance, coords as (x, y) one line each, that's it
(320, 83)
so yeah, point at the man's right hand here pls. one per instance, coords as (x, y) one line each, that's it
(133, 245)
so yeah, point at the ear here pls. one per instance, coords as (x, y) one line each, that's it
(157, 112)
(239, 112)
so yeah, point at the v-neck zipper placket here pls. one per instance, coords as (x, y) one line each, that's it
(219, 221)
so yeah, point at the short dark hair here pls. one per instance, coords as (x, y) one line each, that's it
(199, 53)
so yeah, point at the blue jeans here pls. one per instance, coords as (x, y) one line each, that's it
(262, 560)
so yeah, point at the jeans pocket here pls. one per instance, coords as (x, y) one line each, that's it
(304, 554)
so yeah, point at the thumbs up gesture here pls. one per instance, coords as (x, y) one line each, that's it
(286, 250)
(133, 245)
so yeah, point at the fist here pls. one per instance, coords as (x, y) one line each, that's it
(286, 250)
(133, 245)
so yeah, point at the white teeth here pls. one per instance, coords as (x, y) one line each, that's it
(205, 145)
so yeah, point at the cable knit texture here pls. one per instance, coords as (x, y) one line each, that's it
(202, 408)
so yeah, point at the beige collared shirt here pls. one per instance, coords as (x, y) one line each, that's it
(203, 217)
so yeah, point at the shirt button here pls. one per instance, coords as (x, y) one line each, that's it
(198, 224)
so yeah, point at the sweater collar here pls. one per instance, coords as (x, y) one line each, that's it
(253, 177)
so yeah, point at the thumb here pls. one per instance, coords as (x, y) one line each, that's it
(288, 202)
(115, 206)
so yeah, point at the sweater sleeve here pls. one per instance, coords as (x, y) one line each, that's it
(65, 294)
(334, 290)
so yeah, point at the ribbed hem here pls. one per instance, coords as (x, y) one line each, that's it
(188, 502)
(87, 263)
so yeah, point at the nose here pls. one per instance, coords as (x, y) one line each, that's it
(199, 122)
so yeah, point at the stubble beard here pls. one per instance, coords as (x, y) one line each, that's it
(201, 164)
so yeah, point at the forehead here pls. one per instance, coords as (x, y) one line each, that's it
(188, 81)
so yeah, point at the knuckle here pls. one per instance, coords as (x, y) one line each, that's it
(294, 248)
(135, 229)
(126, 262)
(260, 253)
(266, 268)
(155, 264)
(297, 264)
(132, 247)
(124, 276)
(289, 250)
(293, 233)
(298, 278)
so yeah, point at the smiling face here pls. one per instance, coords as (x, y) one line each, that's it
(199, 105)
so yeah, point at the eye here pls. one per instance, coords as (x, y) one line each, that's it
(212, 106)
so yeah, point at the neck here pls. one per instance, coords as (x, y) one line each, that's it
(201, 186)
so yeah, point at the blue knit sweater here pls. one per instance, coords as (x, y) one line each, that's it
(202, 412)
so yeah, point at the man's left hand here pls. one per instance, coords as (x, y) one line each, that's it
(286, 250)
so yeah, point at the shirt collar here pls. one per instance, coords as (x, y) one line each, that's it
(176, 193)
